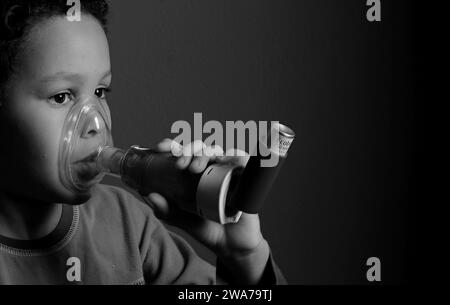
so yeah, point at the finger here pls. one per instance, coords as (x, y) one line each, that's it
(209, 233)
(247, 219)
(213, 152)
(234, 152)
(200, 160)
(148, 202)
(188, 152)
(235, 156)
(159, 205)
(210, 154)
(170, 145)
(164, 145)
(198, 164)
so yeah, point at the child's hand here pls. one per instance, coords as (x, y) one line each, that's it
(238, 243)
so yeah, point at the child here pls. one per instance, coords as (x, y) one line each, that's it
(51, 233)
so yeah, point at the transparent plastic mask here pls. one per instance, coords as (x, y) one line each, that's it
(87, 130)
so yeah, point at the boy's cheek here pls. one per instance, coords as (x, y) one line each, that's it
(37, 177)
(47, 166)
(30, 154)
(31, 134)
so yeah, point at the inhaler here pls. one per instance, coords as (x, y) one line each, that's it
(220, 193)
(149, 171)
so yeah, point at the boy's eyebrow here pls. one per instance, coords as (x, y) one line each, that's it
(61, 75)
(67, 76)
(107, 74)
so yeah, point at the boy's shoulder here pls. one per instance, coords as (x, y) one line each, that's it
(115, 203)
(109, 192)
(113, 195)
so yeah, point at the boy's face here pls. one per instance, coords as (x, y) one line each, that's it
(63, 61)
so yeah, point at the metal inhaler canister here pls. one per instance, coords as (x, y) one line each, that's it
(149, 171)
(259, 176)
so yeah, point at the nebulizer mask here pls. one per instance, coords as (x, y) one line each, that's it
(87, 130)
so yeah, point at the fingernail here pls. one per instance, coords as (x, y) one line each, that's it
(197, 164)
(176, 150)
(181, 161)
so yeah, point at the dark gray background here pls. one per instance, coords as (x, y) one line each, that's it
(343, 84)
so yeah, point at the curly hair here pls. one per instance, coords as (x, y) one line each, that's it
(17, 17)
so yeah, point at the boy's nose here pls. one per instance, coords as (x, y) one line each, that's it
(94, 125)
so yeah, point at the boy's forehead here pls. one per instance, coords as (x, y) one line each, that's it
(57, 47)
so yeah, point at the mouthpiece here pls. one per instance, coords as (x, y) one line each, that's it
(109, 160)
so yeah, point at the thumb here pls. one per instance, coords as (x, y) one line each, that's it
(159, 205)
(205, 231)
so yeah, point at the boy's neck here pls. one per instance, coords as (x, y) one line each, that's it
(27, 220)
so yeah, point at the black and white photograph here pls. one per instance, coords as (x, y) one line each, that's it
(243, 144)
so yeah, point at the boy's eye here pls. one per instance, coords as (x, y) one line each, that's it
(60, 98)
(101, 93)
